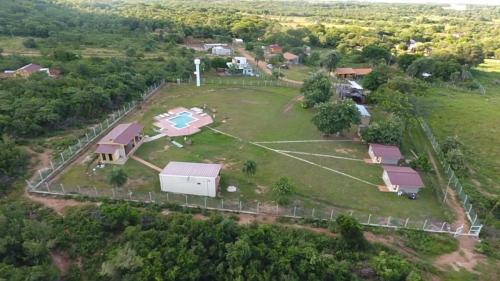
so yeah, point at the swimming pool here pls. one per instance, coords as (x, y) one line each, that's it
(182, 120)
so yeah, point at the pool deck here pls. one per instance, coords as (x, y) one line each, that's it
(166, 127)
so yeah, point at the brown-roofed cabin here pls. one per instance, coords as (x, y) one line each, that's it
(402, 179)
(351, 73)
(384, 154)
(291, 58)
(120, 143)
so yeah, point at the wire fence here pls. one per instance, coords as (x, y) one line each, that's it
(453, 181)
(67, 155)
(251, 207)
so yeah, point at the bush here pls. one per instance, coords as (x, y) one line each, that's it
(384, 132)
(316, 89)
(282, 190)
(336, 118)
(421, 163)
(352, 232)
(30, 43)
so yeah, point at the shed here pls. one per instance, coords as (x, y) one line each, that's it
(384, 154)
(120, 143)
(221, 51)
(291, 58)
(365, 115)
(191, 178)
(402, 179)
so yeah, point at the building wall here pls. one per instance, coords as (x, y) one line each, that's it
(189, 185)
(372, 156)
(387, 181)
(116, 156)
(389, 161)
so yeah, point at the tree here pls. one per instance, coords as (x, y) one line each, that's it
(405, 60)
(391, 267)
(456, 159)
(249, 168)
(336, 118)
(376, 78)
(259, 55)
(375, 53)
(282, 190)
(13, 162)
(316, 89)
(421, 163)
(122, 261)
(352, 232)
(118, 177)
(389, 131)
(392, 101)
(451, 142)
(30, 43)
(331, 61)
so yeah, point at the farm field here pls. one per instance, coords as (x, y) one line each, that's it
(475, 119)
(263, 115)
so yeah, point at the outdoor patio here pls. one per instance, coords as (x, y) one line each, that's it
(181, 121)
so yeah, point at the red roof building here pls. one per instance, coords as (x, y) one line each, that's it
(116, 146)
(275, 49)
(348, 72)
(402, 179)
(384, 154)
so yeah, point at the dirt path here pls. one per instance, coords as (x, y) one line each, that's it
(38, 160)
(289, 105)
(262, 66)
(61, 260)
(465, 257)
(58, 205)
(146, 163)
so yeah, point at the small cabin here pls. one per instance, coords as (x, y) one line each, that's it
(191, 178)
(384, 154)
(120, 143)
(402, 180)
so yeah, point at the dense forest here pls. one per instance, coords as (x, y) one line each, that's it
(119, 242)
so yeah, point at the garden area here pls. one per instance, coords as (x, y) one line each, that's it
(269, 127)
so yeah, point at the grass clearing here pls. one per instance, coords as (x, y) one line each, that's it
(260, 114)
(299, 72)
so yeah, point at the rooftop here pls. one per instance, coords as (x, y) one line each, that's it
(31, 68)
(387, 151)
(363, 111)
(352, 71)
(189, 169)
(403, 176)
(122, 134)
(289, 56)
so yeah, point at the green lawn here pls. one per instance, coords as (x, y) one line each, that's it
(299, 72)
(476, 120)
(263, 114)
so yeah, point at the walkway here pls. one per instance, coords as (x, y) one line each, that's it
(146, 163)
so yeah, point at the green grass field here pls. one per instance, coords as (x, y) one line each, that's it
(475, 119)
(256, 115)
(299, 72)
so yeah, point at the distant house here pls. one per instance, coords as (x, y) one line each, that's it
(221, 51)
(120, 143)
(351, 73)
(207, 47)
(275, 49)
(402, 179)
(29, 69)
(365, 115)
(241, 65)
(191, 178)
(291, 58)
(238, 41)
(384, 154)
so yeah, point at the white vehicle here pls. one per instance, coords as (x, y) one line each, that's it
(270, 66)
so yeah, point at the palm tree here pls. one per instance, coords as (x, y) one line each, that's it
(118, 177)
(249, 167)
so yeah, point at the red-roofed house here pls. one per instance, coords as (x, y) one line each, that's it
(402, 179)
(275, 49)
(191, 178)
(384, 154)
(120, 143)
(291, 58)
(29, 69)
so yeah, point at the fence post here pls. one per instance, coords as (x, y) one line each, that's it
(167, 197)
(78, 187)
(277, 209)
(52, 165)
(113, 190)
(312, 213)
(48, 187)
(70, 150)
(388, 220)
(186, 200)
(294, 210)
(129, 195)
(62, 188)
(442, 226)
(95, 190)
(475, 218)
(222, 203)
(425, 222)
(205, 202)
(87, 136)
(465, 200)
(470, 208)
(369, 217)
(406, 222)
(150, 197)
(258, 205)
(239, 201)
(62, 156)
(41, 176)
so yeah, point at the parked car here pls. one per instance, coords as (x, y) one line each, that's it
(411, 196)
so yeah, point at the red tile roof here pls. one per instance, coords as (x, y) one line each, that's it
(289, 56)
(189, 169)
(122, 133)
(403, 176)
(386, 151)
(352, 71)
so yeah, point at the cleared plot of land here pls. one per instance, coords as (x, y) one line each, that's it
(475, 119)
(258, 115)
(299, 72)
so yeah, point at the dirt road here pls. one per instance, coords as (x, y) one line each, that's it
(262, 66)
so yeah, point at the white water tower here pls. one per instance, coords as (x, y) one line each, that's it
(197, 72)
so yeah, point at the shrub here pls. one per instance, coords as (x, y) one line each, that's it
(282, 190)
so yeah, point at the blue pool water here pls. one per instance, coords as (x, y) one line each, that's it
(182, 120)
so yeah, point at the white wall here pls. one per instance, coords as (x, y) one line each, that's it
(189, 185)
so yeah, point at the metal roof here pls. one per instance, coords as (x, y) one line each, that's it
(403, 176)
(386, 151)
(123, 133)
(106, 148)
(355, 85)
(363, 111)
(189, 169)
